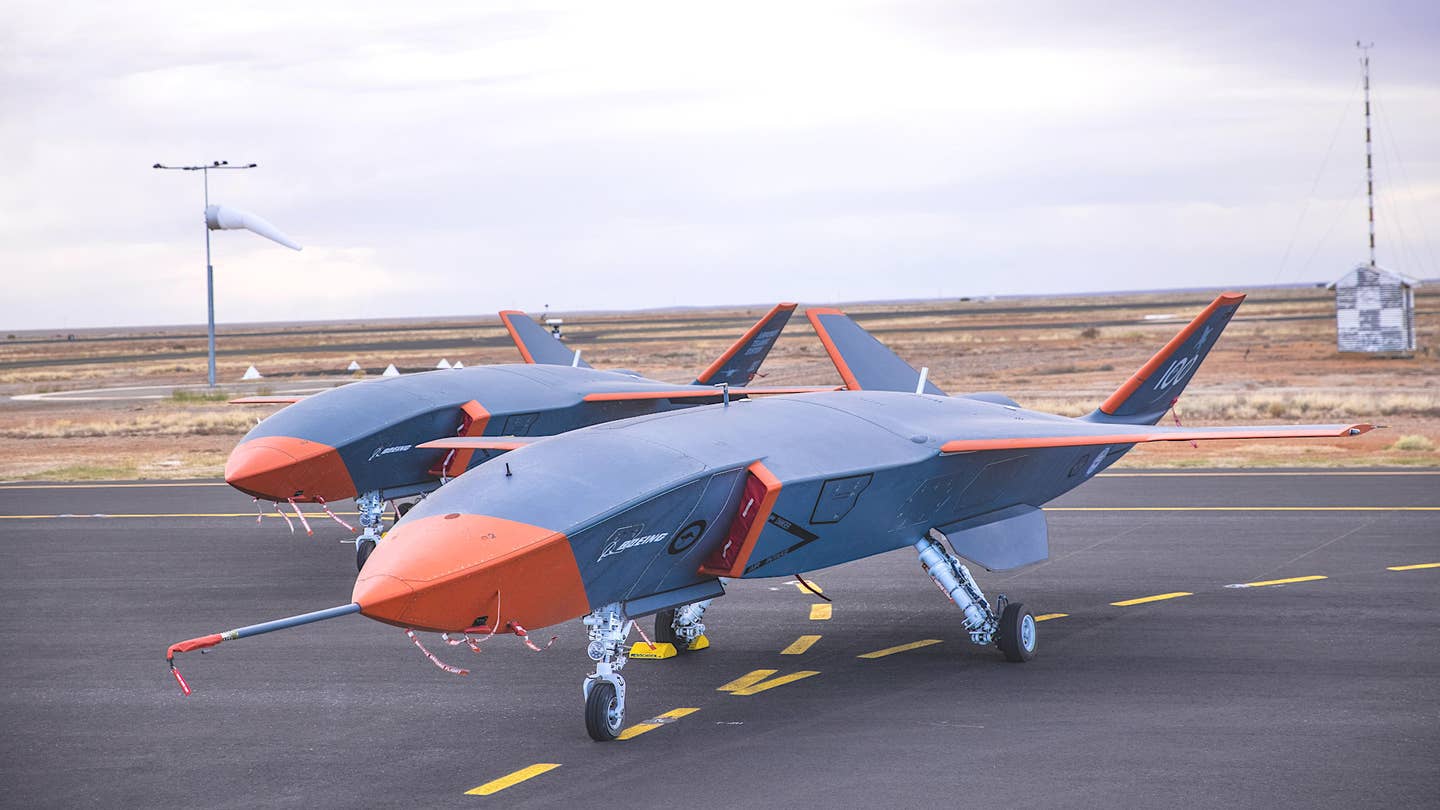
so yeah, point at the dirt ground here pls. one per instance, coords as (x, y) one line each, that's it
(1276, 363)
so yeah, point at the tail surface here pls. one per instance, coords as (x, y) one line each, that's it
(537, 345)
(863, 362)
(737, 366)
(1149, 393)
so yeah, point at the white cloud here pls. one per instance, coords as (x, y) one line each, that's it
(455, 160)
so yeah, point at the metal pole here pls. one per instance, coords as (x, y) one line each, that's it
(209, 285)
(209, 268)
(1369, 161)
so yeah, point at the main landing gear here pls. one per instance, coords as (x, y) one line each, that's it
(605, 689)
(1012, 629)
(681, 626)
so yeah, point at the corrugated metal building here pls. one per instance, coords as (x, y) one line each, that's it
(1374, 311)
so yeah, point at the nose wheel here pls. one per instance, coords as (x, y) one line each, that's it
(603, 713)
(362, 553)
(605, 688)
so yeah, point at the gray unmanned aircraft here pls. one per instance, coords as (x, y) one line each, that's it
(651, 515)
(359, 441)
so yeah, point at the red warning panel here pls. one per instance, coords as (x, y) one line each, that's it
(758, 498)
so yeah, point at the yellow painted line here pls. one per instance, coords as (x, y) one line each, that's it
(914, 645)
(800, 645)
(1266, 582)
(774, 682)
(803, 589)
(156, 485)
(662, 720)
(820, 612)
(1242, 508)
(513, 779)
(1045, 617)
(746, 681)
(1412, 567)
(1156, 598)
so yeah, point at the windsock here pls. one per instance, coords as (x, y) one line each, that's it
(224, 218)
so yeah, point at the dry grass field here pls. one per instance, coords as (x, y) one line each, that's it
(1276, 363)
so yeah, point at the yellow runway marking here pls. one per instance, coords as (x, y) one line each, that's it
(1045, 617)
(1242, 508)
(513, 779)
(1412, 567)
(914, 645)
(1264, 583)
(774, 682)
(803, 589)
(820, 612)
(746, 681)
(1156, 598)
(800, 645)
(664, 719)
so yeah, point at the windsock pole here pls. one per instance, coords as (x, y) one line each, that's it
(205, 642)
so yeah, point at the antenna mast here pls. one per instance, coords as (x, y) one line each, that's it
(1369, 160)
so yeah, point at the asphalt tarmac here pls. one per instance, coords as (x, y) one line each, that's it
(1322, 692)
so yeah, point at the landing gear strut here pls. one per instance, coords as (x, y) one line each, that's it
(371, 510)
(681, 626)
(605, 689)
(1012, 629)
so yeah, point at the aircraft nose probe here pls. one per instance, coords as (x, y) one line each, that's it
(202, 643)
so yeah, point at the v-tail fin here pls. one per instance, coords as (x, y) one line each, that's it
(537, 345)
(737, 366)
(1149, 393)
(864, 363)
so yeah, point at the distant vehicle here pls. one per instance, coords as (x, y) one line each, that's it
(358, 441)
(650, 515)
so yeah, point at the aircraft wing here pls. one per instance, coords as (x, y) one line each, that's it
(537, 345)
(478, 443)
(1047, 435)
(700, 392)
(277, 400)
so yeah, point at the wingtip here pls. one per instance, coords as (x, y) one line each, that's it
(1230, 297)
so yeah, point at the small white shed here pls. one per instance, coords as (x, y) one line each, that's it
(1374, 310)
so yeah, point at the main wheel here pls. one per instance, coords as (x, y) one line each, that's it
(362, 553)
(665, 631)
(1017, 637)
(404, 508)
(603, 716)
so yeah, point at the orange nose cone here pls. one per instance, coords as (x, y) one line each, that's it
(280, 467)
(450, 572)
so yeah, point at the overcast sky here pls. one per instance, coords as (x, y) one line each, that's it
(607, 155)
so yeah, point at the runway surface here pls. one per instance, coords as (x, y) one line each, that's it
(1316, 686)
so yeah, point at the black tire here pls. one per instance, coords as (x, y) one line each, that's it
(665, 631)
(404, 508)
(601, 720)
(1017, 637)
(362, 553)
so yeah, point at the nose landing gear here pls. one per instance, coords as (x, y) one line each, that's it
(605, 688)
